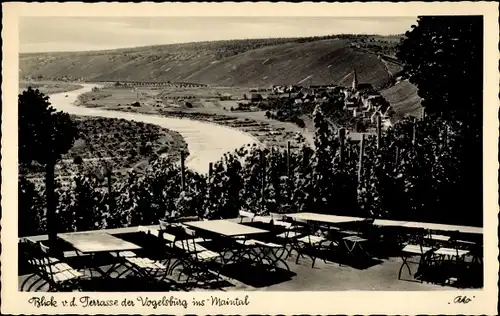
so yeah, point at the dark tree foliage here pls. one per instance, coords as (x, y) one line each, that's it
(443, 57)
(44, 136)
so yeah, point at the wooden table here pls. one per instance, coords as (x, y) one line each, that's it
(325, 218)
(444, 227)
(389, 223)
(225, 228)
(429, 226)
(235, 246)
(437, 237)
(96, 242)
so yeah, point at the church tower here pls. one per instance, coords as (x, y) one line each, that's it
(354, 81)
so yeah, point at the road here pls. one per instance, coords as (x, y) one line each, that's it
(207, 142)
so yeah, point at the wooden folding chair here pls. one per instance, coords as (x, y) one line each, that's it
(198, 261)
(290, 232)
(246, 215)
(31, 252)
(278, 220)
(437, 239)
(140, 265)
(58, 275)
(308, 242)
(265, 252)
(171, 256)
(451, 256)
(416, 247)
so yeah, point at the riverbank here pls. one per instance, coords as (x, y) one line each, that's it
(206, 142)
(49, 87)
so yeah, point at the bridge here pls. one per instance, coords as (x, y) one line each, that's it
(152, 83)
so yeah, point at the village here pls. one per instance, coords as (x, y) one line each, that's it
(360, 100)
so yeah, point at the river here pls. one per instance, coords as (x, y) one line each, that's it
(206, 142)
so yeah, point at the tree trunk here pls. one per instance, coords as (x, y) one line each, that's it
(110, 189)
(361, 153)
(263, 179)
(51, 202)
(342, 144)
(183, 177)
(379, 130)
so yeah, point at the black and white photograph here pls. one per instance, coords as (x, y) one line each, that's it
(230, 155)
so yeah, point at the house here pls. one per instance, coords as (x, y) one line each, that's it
(323, 87)
(370, 101)
(225, 97)
(307, 97)
(351, 104)
(292, 89)
(278, 89)
(306, 91)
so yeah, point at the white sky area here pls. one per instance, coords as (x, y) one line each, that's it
(48, 34)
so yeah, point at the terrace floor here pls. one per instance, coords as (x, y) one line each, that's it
(328, 276)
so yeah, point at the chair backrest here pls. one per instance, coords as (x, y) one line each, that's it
(32, 252)
(246, 214)
(367, 222)
(158, 233)
(416, 237)
(262, 219)
(189, 244)
(45, 249)
(45, 258)
(189, 232)
(163, 224)
(169, 237)
(303, 223)
(277, 216)
(188, 219)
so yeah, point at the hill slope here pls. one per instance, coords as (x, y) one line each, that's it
(226, 63)
(403, 98)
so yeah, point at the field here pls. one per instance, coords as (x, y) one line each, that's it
(124, 145)
(250, 63)
(48, 87)
(380, 44)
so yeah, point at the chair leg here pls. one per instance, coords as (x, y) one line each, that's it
(298, 257)
(288, 252)
(34, 283)
(26, 281)
(402, 266)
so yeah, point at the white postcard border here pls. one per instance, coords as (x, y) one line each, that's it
(348, 302)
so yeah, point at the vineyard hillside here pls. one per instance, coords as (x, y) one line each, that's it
(403, 98)
(223, 63)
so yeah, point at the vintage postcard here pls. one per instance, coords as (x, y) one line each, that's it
(255, 158)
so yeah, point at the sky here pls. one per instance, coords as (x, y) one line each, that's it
(49, 34)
